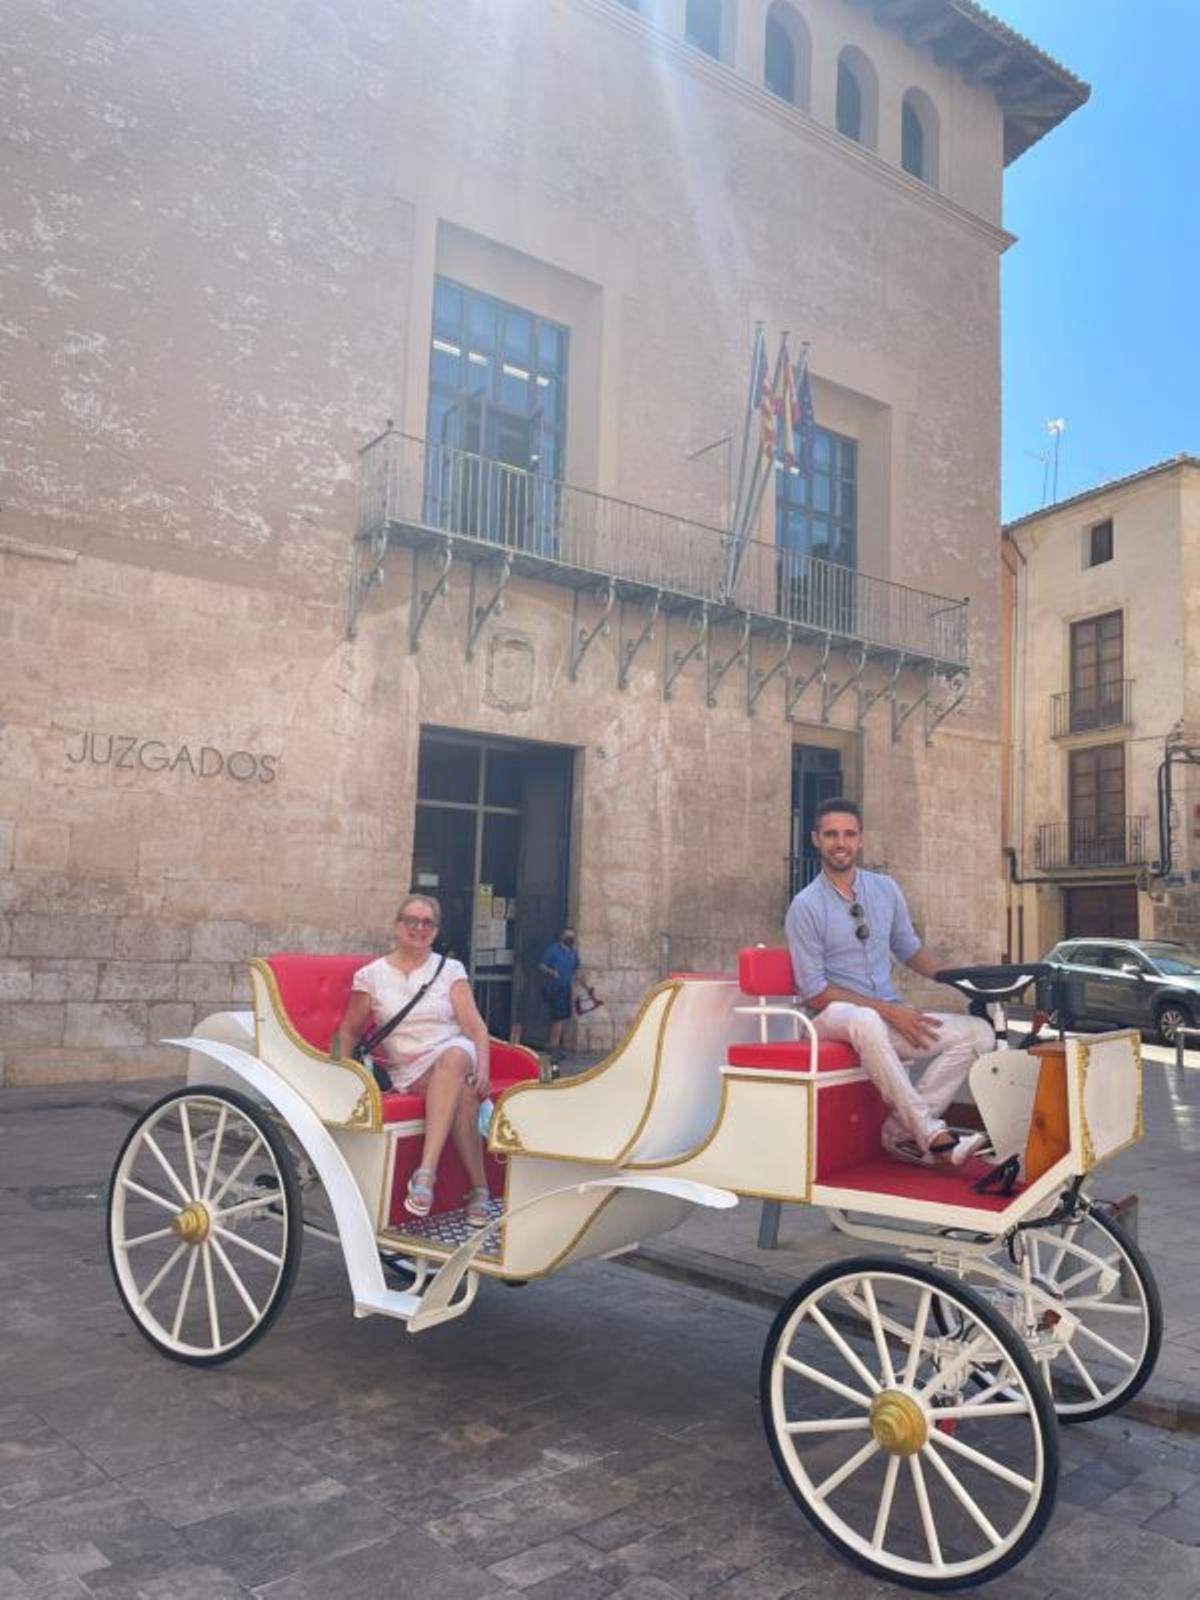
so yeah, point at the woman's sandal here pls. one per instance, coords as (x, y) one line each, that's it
(418, 1199)
(475, 1208)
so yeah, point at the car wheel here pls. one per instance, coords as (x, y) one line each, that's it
(1170, 1018)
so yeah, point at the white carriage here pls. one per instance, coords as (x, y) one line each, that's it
(910, 1398)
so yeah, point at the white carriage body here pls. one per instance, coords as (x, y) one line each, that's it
(594, 1164)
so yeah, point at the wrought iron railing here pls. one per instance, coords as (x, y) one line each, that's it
(1105, 705)
(1096, 842)
(423, 485)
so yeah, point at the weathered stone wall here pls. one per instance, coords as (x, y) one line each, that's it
(222, 227)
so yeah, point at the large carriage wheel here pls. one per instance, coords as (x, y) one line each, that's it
(204, 1224)
(1093, 1268)
(906, 1466)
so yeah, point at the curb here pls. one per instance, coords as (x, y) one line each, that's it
(751, 1285)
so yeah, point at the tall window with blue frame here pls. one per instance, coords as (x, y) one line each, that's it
(816, 535)
(497, 416)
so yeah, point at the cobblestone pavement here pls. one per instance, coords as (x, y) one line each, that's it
(593, 1436)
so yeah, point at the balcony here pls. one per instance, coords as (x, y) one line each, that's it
(428, 496)
(1107, 842)
(1107, 705)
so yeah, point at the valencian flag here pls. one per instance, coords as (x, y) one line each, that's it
(764, 398)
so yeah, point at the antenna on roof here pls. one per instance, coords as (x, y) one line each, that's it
(1055, 428)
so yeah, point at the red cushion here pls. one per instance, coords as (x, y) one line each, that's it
(764, 970)
(794, 1055)
(314, 991)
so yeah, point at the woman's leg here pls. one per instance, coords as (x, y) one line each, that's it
(465, 1132)
(443, 1086)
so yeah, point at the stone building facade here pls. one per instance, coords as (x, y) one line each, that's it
(536, 239)
(1103, 597)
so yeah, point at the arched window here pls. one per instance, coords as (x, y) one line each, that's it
(919, 137)
(708, 24)
(857, 113)
(787, 54)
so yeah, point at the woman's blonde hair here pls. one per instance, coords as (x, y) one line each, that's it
(430, 900)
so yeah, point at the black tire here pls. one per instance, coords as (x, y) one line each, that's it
(1031, 1431)
(192, 1124)
(1169, 1017)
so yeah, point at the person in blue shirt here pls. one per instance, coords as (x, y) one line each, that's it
(843, 931)
(561, 969)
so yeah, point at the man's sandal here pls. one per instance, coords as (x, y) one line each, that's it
(955, 1147)
(418, 1199)
(475, 1208)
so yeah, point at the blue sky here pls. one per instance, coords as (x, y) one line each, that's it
(1101, 293)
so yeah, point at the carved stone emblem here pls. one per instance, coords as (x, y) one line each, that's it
(510, 668)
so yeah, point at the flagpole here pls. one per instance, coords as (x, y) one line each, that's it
(750, 409)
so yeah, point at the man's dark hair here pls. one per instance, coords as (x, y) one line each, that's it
(848, 808)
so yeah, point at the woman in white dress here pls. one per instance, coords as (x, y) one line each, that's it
(440, 1050)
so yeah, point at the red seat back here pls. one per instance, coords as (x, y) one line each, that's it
(314, 991)
(766, 970)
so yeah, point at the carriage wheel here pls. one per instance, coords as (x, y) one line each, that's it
(1097, 1272)
(905, 1466)
(204, 1224)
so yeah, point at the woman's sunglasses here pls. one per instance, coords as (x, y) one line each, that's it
(418, 924)
(862, 928)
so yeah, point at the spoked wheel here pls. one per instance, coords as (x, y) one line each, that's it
(204, 1224)
(891, 1453)
(1094, 1270)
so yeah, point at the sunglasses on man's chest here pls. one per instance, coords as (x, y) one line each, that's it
(862, 928)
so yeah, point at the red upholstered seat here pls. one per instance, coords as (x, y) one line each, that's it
(793, 1055)
(765, 970)
(313, 991)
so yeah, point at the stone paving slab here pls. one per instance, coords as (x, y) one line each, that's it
(593, 1437)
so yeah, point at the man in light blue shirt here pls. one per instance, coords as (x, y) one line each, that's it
(843, 931)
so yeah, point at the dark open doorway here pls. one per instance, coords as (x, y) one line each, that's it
(816, 776)
(491, 841)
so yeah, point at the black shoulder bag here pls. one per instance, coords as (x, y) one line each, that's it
(362, 1050)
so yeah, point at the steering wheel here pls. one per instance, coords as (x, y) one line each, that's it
(997, 982)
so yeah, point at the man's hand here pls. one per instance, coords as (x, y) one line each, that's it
(920, 1030)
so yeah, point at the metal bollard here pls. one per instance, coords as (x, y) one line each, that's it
(768, 1225)
(1180, 1035)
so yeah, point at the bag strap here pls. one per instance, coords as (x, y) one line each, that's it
(373, 1039)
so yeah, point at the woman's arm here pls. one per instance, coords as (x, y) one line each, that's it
(472, 1024)
(345, 1035)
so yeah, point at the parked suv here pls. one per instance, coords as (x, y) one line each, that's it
(1144, 983)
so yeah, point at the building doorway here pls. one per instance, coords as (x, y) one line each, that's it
(816, 776)
(1107, 911)
(491, 841)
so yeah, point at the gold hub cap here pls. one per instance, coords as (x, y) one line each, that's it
(898, 1423)
(191, 1224)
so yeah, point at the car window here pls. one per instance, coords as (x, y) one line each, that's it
(1174, 960)
(1088, 955)
(1117, 959)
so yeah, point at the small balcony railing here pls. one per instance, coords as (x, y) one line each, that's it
(1107, 705)
(412, 486)
(1104, 842)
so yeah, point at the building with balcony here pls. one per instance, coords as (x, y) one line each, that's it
(374, 385)
(1102, 821)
